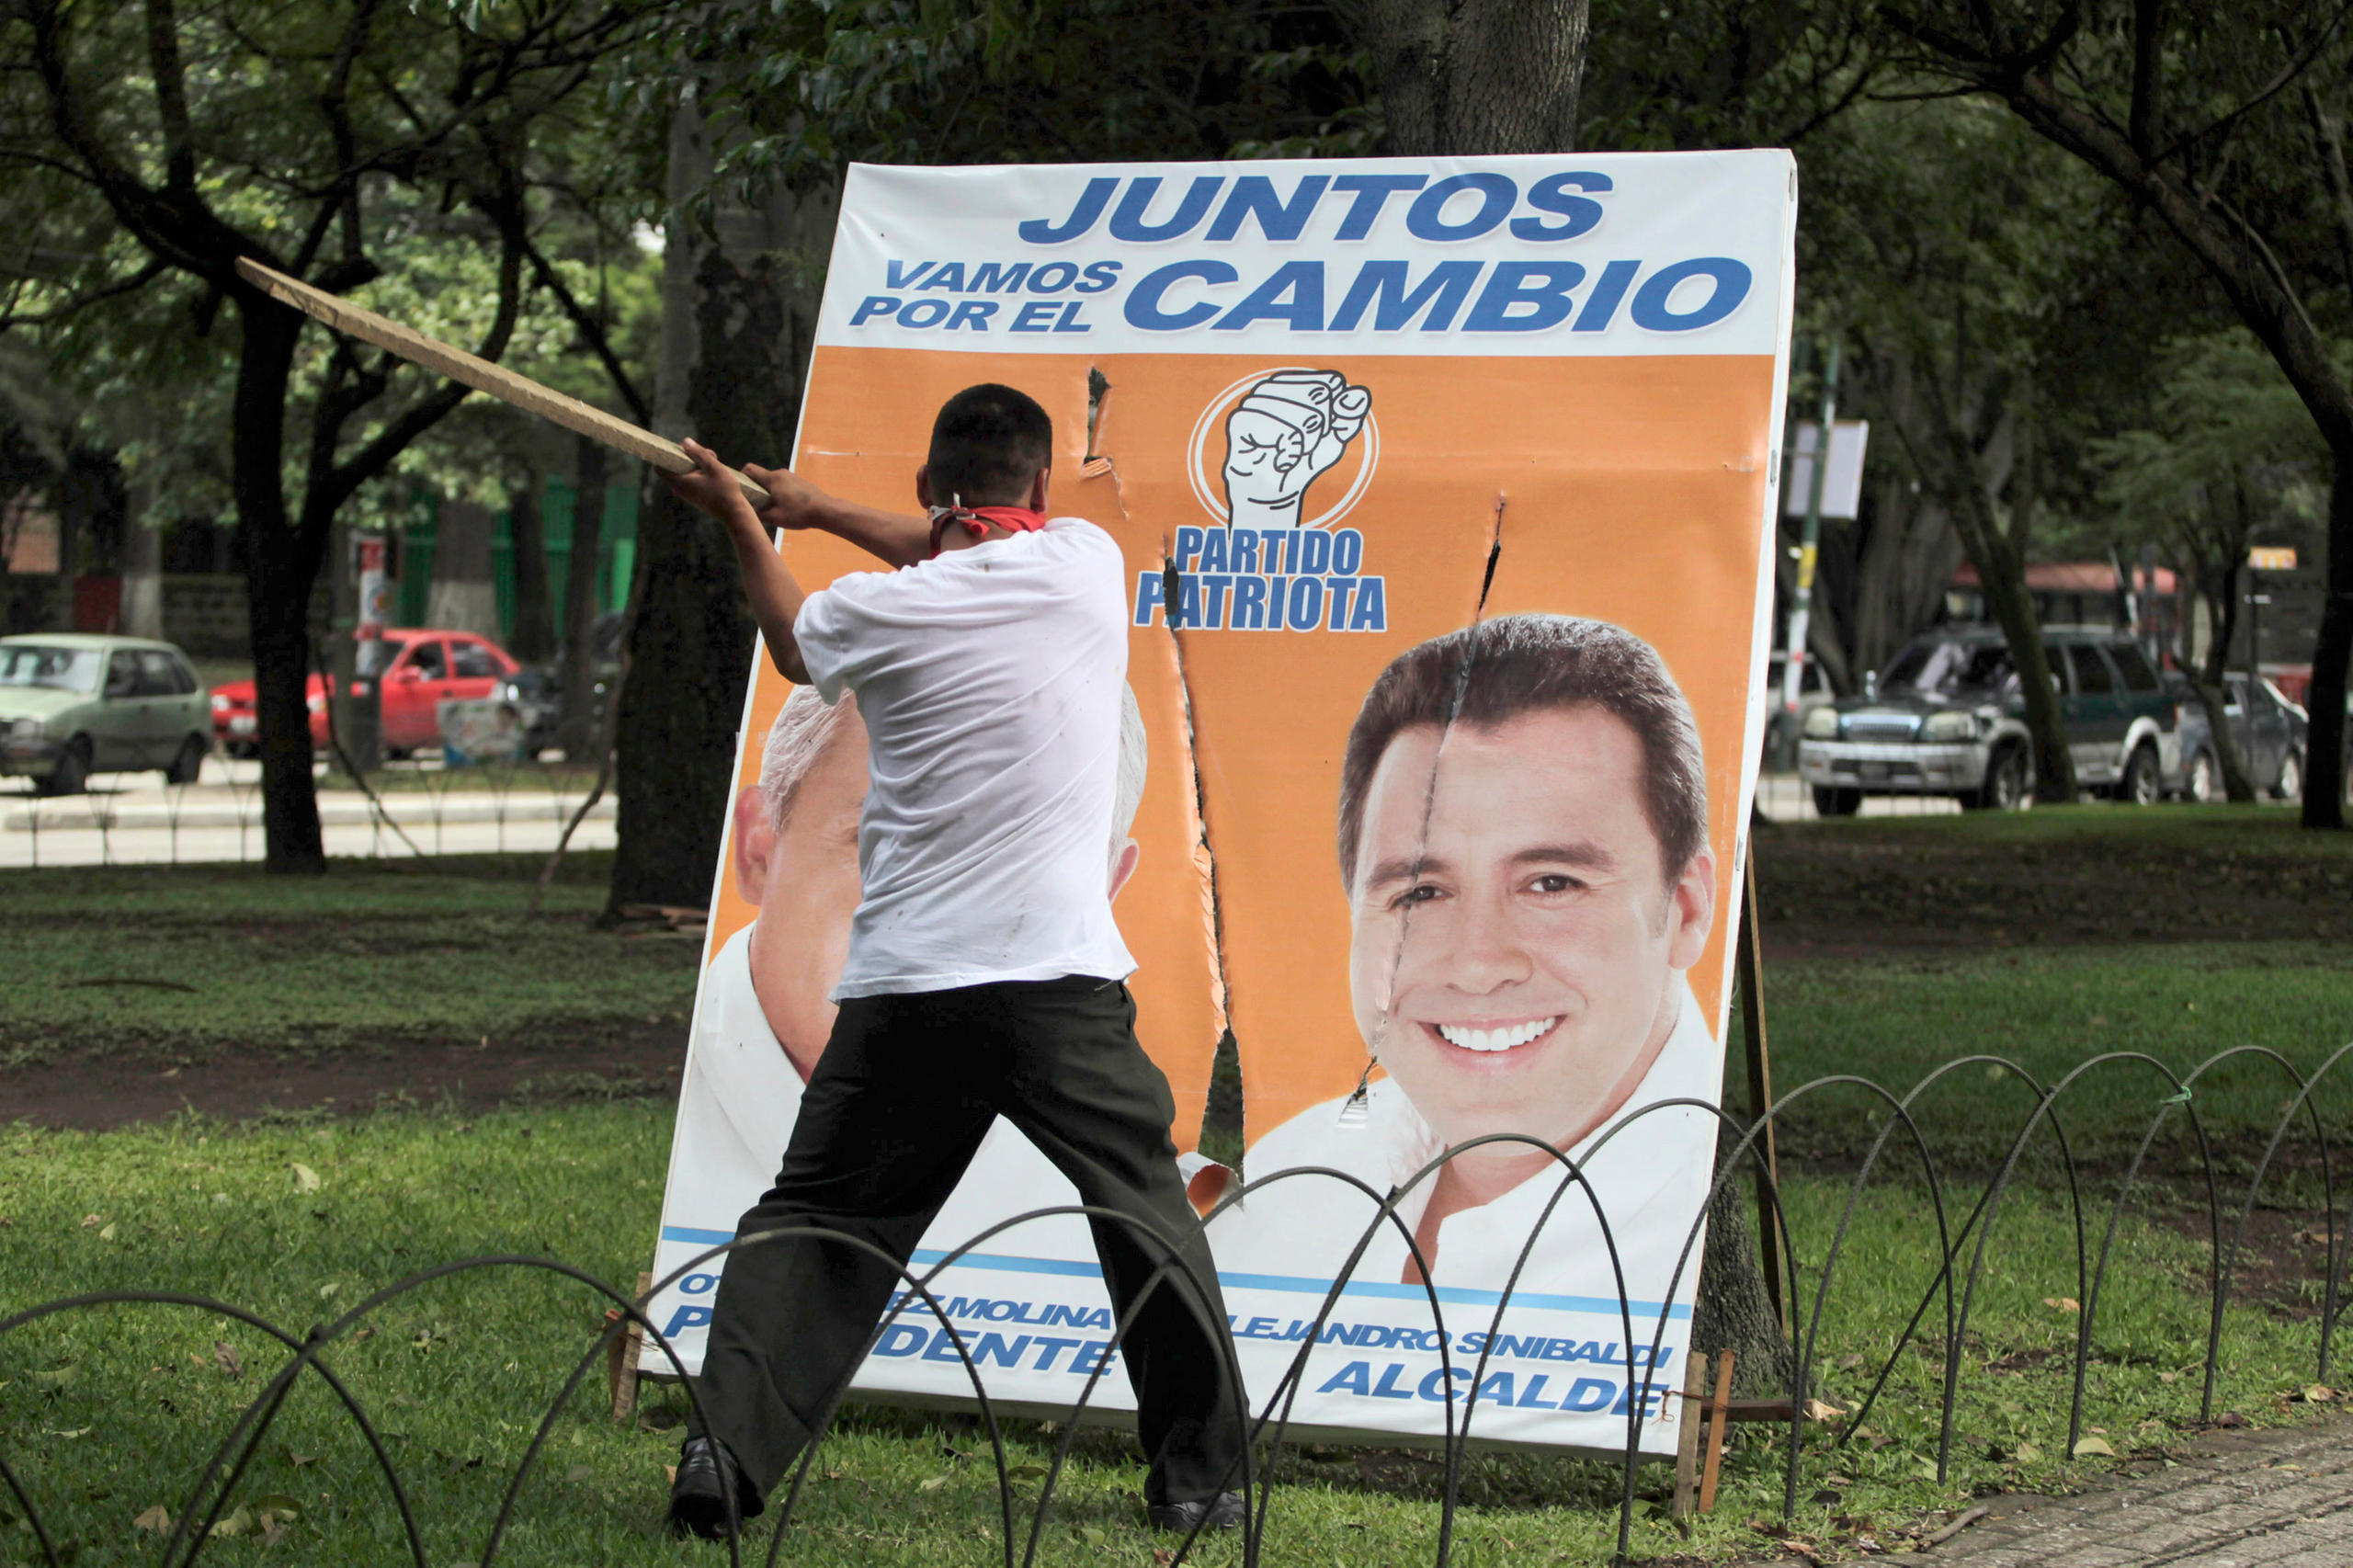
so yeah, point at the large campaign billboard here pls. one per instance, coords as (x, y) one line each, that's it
(1446, 488)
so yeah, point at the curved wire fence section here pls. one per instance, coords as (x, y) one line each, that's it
(1954, 1252)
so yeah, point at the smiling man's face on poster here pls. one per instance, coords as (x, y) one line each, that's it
(1517, 946)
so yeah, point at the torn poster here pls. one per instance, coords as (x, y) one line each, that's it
(1446, 489)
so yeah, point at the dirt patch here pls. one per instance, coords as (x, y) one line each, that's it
(1820, 895)
(96, 1093)
(2281, 1263)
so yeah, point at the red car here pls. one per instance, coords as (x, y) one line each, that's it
(424, 668)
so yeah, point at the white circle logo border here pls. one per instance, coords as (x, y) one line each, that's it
(1213, 499)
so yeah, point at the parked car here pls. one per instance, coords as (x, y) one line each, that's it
(74, 705)
(538, 690)
(424, 668)
(1948, 718)
(1814, 691)
(2270, 732)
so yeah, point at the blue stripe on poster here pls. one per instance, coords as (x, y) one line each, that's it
(1451, 1295)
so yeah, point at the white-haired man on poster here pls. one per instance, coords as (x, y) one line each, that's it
(767, 1008)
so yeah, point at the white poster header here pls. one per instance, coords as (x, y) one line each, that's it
(1575, 253)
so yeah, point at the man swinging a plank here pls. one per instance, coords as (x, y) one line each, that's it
(985, 976)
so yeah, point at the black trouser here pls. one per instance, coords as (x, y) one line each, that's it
(902, 1097)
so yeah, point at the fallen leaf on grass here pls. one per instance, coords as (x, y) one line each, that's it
(2315, 1393)
(2230, 1418)
(77, 1432)
(92, 1222)
(106, 1234)
(154, 1521)
(225, 1357)
(2089, 1446)
(2063, 1303)
(58, 1377)
(305, 1178)
(931, 1483)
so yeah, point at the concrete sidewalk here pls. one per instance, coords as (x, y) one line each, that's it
(2240, 1499)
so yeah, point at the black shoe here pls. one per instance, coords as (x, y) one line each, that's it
(1222, 1512)
(707, 1472)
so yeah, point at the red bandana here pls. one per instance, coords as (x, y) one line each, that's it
(977, 520)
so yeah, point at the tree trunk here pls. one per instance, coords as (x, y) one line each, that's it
(532, 637)
(278, 590)
(2003, 577)
(1733, 1310)
(2325, 758)
(1478, 77)
(579, 677)
(464, 597)
(143, 575)
(2238, 783)
(730, 377)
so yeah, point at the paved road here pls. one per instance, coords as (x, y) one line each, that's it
(133, 818)
(2250, 1499)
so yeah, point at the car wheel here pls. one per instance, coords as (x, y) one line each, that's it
(187, 763)
(1832, 801)
(2290, 783)
(2205, 774)
(2141, 785)
(72, 774)
(2007, 786)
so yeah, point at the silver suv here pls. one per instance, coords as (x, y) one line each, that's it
(1947, 719)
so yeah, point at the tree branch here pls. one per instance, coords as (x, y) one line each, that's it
(592, 328)
(2148, 60)
(171, 94)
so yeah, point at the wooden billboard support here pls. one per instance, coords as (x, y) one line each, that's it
(518, 391)
(1748, 963)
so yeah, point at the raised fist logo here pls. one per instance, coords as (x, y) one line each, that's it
(1286, 430)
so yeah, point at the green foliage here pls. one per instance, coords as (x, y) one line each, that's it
(817, 83)
(2230, 448)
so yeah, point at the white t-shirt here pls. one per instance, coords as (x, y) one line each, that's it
(989, 679)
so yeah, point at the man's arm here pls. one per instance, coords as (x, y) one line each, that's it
(899, 538)
(775, 597)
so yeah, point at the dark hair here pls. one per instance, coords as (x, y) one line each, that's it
(987, 445)
(1499, 669)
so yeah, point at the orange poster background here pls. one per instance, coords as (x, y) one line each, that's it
(1631, 489)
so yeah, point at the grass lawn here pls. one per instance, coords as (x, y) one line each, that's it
(1895, 1018)
(2045, 938)
(181, 963)
(109, 1413)
(2050, 938)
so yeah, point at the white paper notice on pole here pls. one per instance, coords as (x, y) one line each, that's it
(1380, 436)
(1842, 484)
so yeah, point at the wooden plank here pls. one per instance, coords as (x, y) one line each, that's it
(1687, 1439)
(518, 391)
(624, 1353)
(1749, 966)
(1718, 1433)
